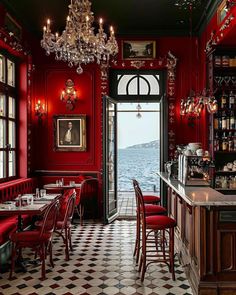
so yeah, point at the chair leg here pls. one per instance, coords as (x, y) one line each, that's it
(172, 262)
(50, 254)
(137, 241)
(69, 237)
(81, 213)
(66, 245)
(143, 251)
(43, 272)
(13, 258)
(163, 245)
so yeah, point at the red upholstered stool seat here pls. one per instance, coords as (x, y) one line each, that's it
(160, 222)
(151, 199)
(154, 209)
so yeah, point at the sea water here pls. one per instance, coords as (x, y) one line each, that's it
(141, 164)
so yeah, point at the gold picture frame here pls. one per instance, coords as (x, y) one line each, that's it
(69, 132)
(142, 49)
(221, 12)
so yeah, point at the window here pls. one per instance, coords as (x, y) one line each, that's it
(137, 85)
(8, 144)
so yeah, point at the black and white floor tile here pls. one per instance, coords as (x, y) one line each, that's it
(101, 264)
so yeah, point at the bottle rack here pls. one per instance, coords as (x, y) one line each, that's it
(222, 141)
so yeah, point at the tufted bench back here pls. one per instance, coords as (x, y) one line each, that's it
(10, 190)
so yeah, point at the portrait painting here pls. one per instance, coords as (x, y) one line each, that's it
(139, 49)
(70, 132)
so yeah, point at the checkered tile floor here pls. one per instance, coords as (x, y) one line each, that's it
(102, 263)
(127, 204)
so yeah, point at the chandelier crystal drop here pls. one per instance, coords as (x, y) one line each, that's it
(78, 44)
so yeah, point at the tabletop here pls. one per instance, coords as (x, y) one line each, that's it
(38, 206)
(63, 187)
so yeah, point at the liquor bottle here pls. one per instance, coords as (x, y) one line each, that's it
(230, 142)
(227, 120)
(234, 140)
(232, 120)
(216, 122)
(231, 100)
(224, 142)
(224, 120)
(223, 101)
(219, 120)
(216, 143)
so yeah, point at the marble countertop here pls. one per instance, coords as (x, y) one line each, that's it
(199, 195)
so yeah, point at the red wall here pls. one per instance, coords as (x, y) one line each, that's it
(49, 81)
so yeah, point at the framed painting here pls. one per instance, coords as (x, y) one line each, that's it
(222, 11)
(69, 132)
(138, 49)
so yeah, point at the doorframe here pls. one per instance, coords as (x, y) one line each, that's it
(167, 62)
(108, 219)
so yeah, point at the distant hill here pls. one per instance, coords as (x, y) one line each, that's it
(148, 145)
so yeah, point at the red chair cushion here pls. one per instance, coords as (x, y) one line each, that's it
(80, 178)
(154, 209)
(9, 225)
(160, 222)
(148, 199)
(33, 237)
(6, 228)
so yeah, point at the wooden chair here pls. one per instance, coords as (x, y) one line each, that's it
(39, 240)
(63, 227)
(88, 194)
(150, 209)
(154, 242)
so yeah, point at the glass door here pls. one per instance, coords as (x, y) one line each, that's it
(109, 159)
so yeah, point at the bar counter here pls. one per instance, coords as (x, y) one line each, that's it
(205, 236)
(198, 195)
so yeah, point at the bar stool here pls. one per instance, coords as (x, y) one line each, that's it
(158, 225)
(150, 209)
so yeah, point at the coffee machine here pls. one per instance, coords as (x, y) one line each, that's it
(195, 170)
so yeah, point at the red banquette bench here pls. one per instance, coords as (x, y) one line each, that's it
(9, 191)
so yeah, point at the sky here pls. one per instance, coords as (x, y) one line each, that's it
(132, 130)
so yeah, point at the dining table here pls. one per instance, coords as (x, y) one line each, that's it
(61, 187)
(37, 207)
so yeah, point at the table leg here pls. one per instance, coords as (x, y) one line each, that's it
(20, 223)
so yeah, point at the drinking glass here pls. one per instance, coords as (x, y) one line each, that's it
(43, 193)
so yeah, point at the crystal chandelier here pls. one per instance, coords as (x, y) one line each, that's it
(78, 44)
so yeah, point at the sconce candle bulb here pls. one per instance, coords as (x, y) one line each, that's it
(39, 109)
(69, 95)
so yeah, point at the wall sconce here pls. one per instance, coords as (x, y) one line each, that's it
(39, 109)
(194, 105)
(69, 95)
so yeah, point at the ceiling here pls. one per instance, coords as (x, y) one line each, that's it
(129, 17)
